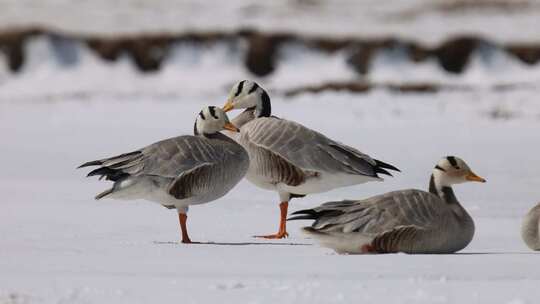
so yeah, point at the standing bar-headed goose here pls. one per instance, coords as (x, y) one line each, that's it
(290, 158)
(410, 221)
(180, 171)
(530, 229)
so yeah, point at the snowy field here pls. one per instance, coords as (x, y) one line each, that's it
(61, 246)
(58, 245)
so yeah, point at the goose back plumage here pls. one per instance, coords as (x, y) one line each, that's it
(412, 221)
(306, 148)
(191, 168)
(286, 152)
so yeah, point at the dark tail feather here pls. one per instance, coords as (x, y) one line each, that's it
(301, 217)
(111, 174)
(380, 170)
(112, 161)
(386, 166)
(113, 166)
(100, 171)
(91, 163)
(306, 214)
(305, 211)
(313, 214)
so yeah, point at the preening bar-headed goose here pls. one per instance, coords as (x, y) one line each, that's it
(411, 221)
(180, 171)
(290, 158)
(530, 229)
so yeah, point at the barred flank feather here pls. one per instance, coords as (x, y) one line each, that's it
(389, 242)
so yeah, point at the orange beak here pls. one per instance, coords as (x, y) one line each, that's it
(228, 106)
(474, 178)
(229, 126)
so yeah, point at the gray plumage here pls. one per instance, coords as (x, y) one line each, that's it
(291, 159)
(283, 151)
(410, 221)
(186, 169)
(179, 171)
(305, 148)
(530, 228)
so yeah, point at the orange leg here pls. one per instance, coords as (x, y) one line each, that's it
(282, 233)
(182, 217)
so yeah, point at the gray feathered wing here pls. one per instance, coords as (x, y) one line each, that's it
(184, 161)
(308, 150)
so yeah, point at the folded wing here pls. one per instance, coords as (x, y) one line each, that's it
(387, 213)
(185, 161)
(309, 150)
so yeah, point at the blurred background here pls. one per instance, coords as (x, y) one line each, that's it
(165, 49)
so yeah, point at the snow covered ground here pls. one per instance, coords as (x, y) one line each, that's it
(58, 245)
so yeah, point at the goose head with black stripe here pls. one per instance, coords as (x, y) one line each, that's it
(211, 120)
(450, 171)
(250, 96)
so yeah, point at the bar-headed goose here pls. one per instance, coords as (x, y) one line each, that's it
(290, 158)
(530, 229)
(411, 221)
(180, 171)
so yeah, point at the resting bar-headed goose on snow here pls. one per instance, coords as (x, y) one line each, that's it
(410, 221)
(290, 158)
(180, 171)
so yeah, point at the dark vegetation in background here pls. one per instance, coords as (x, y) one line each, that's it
(148, 51)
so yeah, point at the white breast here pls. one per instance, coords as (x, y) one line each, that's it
(326, 182)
